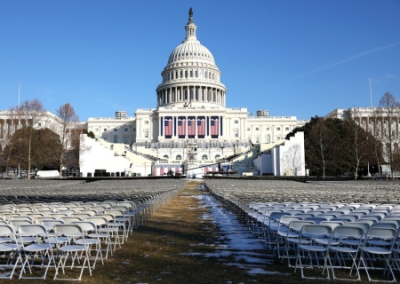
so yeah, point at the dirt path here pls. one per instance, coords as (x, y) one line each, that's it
(170, 248)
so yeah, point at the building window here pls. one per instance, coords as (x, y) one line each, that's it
(268, 138)
(217, 156)
(278, 129)
(126, 129)
(146, 133)
(115, 139)
(257, 129)
(248, 128)
(134, 129)
(267, 128)
(178, 157)
(191, 73)
(105, 129)
(257, 139)
(236, 121)
(166, 157)
(287, 128)
(126, 139)
(196, 73)
(115, 129)
(204, 157)
(236, 133)
(146, 122)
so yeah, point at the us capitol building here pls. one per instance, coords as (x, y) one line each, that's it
(191, 130)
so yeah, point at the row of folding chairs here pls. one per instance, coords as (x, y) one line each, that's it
(333, 247)
(260, 218)
(33, 249)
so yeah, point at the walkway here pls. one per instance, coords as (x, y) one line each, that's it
(193, 240)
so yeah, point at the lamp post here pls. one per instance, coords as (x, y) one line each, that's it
(222, 148)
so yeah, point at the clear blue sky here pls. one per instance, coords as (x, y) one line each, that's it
(301, 58)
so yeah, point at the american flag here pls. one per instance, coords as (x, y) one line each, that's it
(181, 128)
(191, 128)
(168, 128)
(161, 171)
(201, 127)
(214, 127)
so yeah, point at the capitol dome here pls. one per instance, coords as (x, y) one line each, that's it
(191, 75)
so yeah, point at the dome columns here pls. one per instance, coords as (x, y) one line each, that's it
(190, 93)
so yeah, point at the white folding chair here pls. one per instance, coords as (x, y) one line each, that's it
(292, 239)
(36, 253)
(104, 235)
(313, 252)
(10, 249)
(91, 239)
(70, 254)
(378, 244)
(345, 254)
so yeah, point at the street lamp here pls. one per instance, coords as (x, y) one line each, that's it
(222, 148)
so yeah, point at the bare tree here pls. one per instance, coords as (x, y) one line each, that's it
(321, 138)
(390, 111)
(12, 114)
(358, 144)
(69, 120)
(30, 113)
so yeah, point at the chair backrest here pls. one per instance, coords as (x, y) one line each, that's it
(49, 224)
(385, 225)
(16, 224)
(81, 215)
(69, 212)
(305, 215)
(315, 230)
(98, 209)
(349, 231)
(97, 220)
(332, 224)
(32, 230)
(69, 220)
(387, 234)
(21, 218)
(286, 219)
(372, 218)
(126, 204)
(298, 225)
(276, 216)
(90, 212)
(115, 213)
(362, 225)
(317, 220)
(10, 216)
(40, 219)
(121, 208)
(6, 230)
(86, 226)
(108, 217)
(69, 230)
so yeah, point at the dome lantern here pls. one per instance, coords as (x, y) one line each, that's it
(190, 28)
